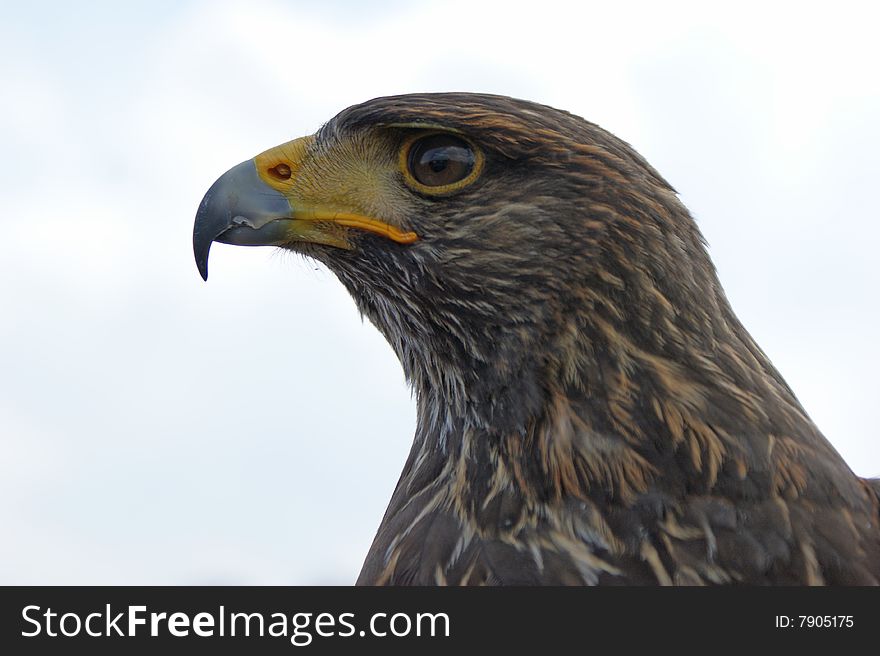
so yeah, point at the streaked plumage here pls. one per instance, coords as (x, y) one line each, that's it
(590, 409)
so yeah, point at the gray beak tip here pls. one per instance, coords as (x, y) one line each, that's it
(201, 252)
(202, 240)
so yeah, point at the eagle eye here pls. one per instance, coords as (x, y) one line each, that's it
(440, 163)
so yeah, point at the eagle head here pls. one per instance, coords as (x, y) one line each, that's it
(590, 409)
(487, 238)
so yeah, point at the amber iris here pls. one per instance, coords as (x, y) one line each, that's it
(440, 159)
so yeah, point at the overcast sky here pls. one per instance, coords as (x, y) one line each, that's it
(156, 429)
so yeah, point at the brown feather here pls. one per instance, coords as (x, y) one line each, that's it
(590, 409)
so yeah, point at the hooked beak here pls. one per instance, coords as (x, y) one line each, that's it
(240, 208)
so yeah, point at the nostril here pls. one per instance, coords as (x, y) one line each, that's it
(280, 172)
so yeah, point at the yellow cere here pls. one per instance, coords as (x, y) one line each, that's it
(278, 167)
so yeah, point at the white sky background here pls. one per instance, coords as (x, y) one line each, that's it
(155, 429)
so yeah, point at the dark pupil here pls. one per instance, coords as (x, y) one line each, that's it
(440, 159)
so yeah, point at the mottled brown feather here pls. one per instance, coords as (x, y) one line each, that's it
(590, 409)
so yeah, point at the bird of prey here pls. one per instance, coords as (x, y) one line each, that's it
(590, 409)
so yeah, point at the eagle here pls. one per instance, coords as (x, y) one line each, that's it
(590, 411)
